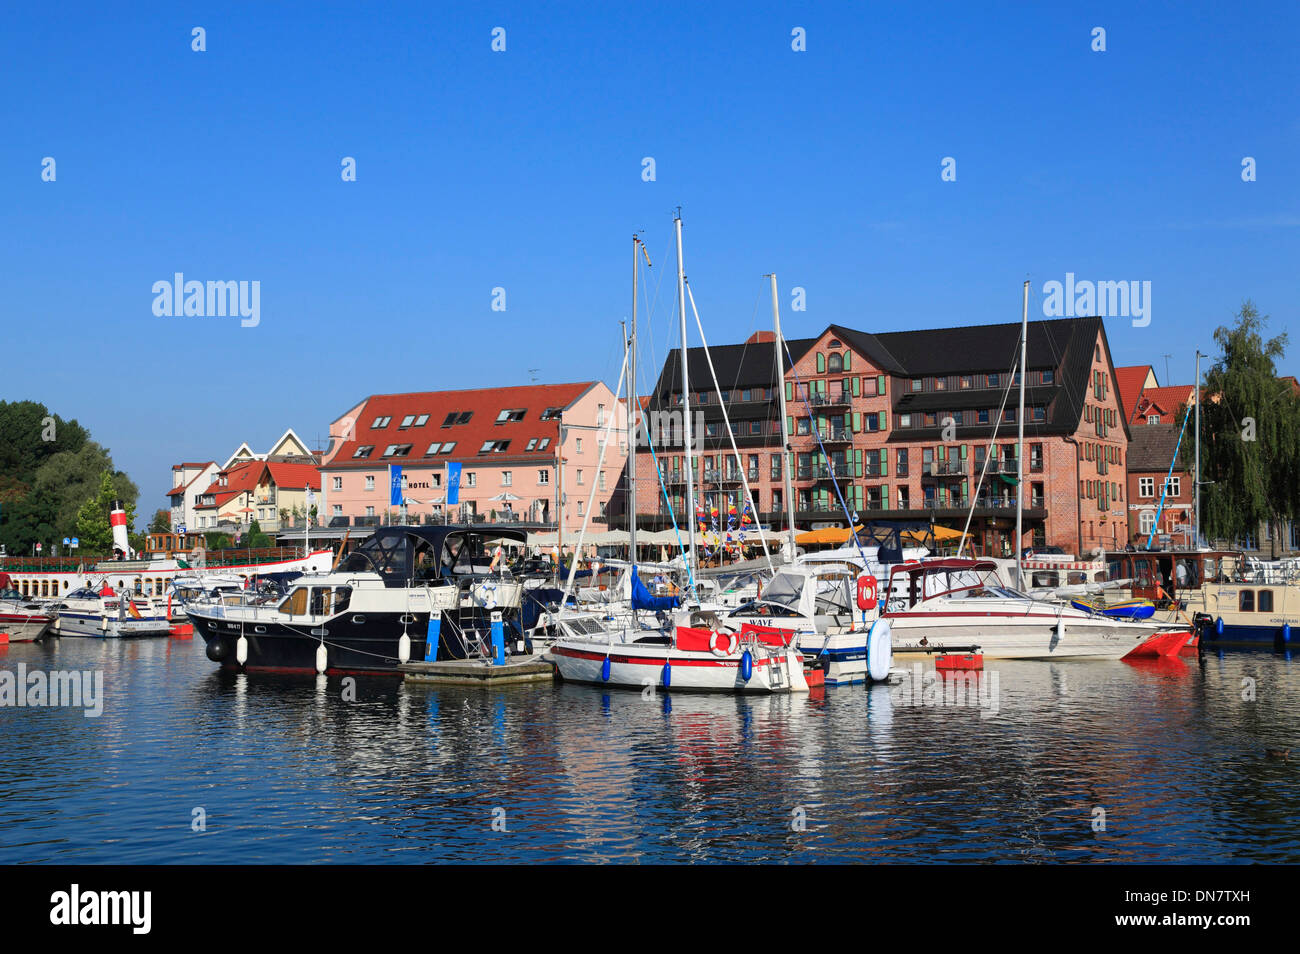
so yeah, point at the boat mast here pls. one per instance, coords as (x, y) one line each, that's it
(786, 462)
(686, 400)
(1020, 440)
(633, 405)
(1196, 475)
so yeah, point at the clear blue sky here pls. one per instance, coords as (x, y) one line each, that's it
(522, 170)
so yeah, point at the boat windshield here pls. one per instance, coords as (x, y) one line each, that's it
(785, 588)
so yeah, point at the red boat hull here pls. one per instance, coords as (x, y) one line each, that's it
(1162, 644)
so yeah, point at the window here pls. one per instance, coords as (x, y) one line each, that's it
(434, 448)
(407, 421)
(364, 451)
(379, 423)
(1146, 486)
(941, 384)
(338, 510)
(1174, 485)
(578, 444)
(1049, 376)
(905, 420)
(464, 416)
(835, 363)
(602, 480)
(552, 414)
(543, 443)
(543, 476)
(1038, 413)
(370, 483)
(994, 381)
(532, 443)
(471, 479)
(916, 384)
(494, 447)
(967, 381)
(370, 511)
(422, 420)
(600, 415)
(579, 477)
(506, 477)
(1266, 601)
(397, 450)
(1147, 522)
(1246, 601)
(338, 483)
(448, 447)
(511, 416)
(982, 416)
(449, 420)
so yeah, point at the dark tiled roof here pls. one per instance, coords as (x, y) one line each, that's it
(747, 365)
(1152, 447)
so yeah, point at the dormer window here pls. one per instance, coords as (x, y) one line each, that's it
(363, 452)
(552, 413)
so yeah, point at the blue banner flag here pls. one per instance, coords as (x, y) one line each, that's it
(453, 483)
(395, 484)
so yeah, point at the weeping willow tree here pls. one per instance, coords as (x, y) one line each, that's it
(1250, 433)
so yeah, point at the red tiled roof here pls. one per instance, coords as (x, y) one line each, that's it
(188, 484)
(485, 404)
(1129, 382)
(1162, 401)
(294, 476)
(241, 478)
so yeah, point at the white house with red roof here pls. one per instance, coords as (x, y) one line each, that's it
(270, 492)
(510, 442)
(208, 495)
(189, 481)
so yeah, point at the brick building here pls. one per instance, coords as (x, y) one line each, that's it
(867, 414)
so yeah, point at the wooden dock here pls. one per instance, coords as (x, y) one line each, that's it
(476, 672)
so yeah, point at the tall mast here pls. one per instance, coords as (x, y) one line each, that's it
(1020, 440)
(1196, 472)
(786, 463)
(686, 398)
(633, 406)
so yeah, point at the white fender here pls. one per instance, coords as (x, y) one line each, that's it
(241, 650)
(322, 657)
(404, 649)
(880, 650)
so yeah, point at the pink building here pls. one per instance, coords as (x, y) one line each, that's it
(507, 441)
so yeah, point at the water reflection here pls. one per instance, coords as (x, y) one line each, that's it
(308, 768)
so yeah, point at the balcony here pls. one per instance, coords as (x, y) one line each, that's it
(831, 399)
(721, 477)
(835, 435)
(944, 468)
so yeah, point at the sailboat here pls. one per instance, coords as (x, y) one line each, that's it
(695, 651)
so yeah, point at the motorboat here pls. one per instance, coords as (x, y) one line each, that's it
(99, 610)
(23, 619)
(423, 592)
(954, 603)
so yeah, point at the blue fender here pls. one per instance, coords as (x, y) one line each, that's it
(668, 674)
(604, 670)
(746, 665)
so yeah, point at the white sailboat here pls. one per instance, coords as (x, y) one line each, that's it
(685, 655)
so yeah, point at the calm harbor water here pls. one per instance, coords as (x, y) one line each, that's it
(285, 770)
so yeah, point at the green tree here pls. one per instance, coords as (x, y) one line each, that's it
(256, 538)
(161, 522)
(1250, 433)
(92, 524)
